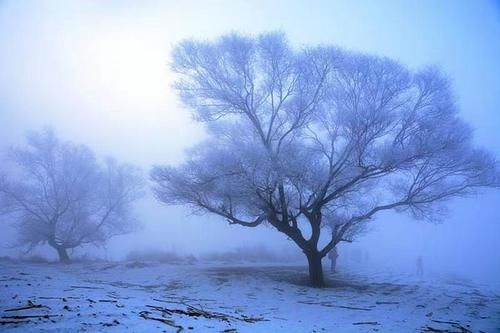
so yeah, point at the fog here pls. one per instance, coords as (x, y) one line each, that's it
(98, 74)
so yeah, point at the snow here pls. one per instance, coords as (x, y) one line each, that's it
(210, 297)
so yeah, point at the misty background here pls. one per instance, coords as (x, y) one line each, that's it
(97, 72)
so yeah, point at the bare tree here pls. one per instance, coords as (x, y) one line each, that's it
(59, 194)
(317, 139)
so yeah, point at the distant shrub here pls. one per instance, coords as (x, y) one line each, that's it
(87, 258)
(164, 257)
(136, 264)
(35, 259)
(252, 254)
(6, 259)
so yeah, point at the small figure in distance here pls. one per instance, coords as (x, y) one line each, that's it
(420, 266)
(332, 255)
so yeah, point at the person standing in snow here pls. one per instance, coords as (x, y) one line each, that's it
(332, 255)
(420, 266)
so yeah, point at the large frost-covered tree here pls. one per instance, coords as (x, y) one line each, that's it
(317, 139)
(58, 193)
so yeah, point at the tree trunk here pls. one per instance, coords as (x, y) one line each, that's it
(315, 269)
(63, 255)
(62, 252)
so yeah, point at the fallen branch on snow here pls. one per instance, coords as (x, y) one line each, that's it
(433, 330)
(46, 316)
(171, 323)
(5, 322)
(454, 324)
(366, 323)
(29, 305)
(197, 312)
(329, 305)
(381, 302)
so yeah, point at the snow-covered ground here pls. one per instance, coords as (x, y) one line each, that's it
(149, 297)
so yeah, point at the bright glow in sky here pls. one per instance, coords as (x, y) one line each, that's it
(98, 72)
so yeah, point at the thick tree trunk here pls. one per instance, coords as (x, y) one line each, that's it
(63, 255)
(62, 252)
(315, 269)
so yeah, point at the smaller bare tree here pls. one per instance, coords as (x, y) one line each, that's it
(59, 194)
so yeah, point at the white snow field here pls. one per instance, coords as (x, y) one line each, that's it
(152, 297)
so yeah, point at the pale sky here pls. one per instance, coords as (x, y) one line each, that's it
(97, 71)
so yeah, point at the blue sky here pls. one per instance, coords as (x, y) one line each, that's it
(97, 71)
